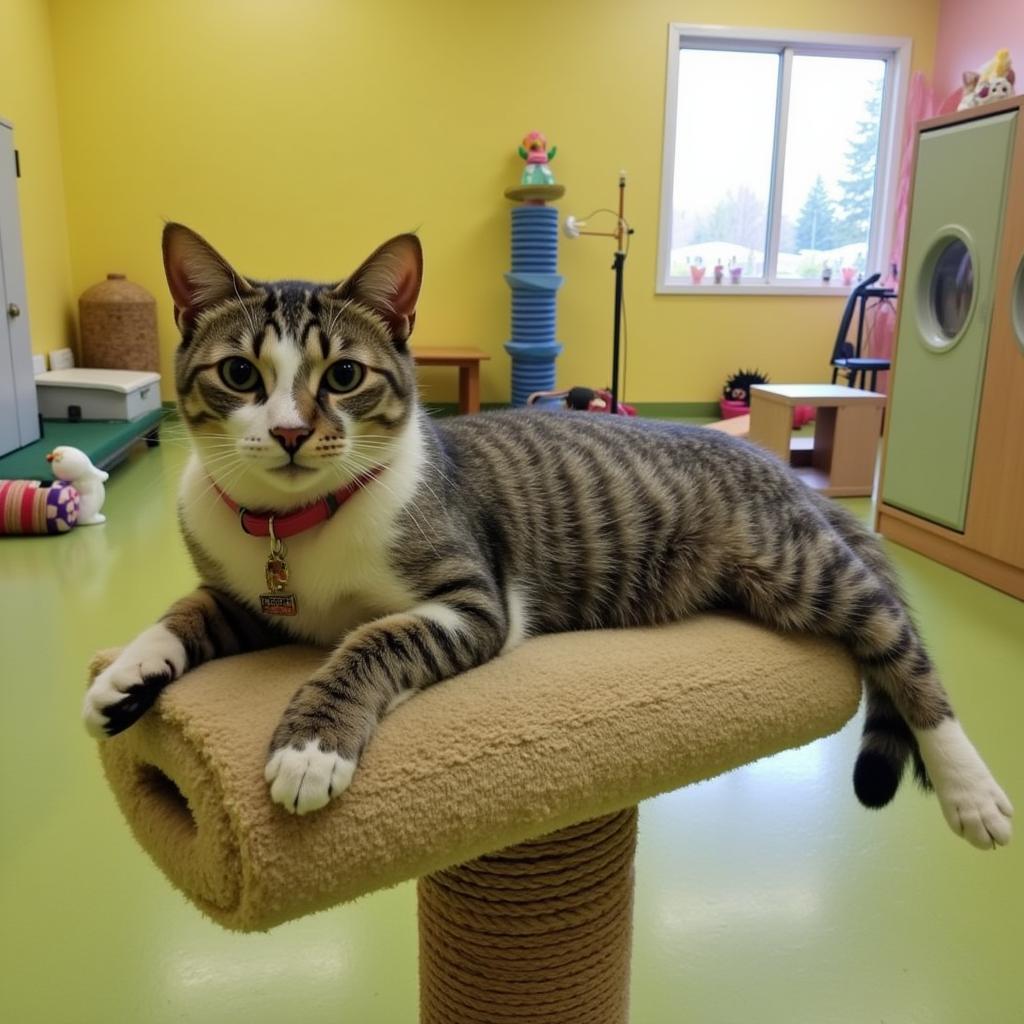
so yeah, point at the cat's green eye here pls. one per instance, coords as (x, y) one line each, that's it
(239, 374)
(343, 376)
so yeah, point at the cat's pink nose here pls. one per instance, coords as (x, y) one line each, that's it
(291, 439)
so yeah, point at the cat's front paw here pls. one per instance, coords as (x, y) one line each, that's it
(307, 778)
(125, 690)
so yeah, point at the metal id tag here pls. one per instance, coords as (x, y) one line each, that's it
(277, 601)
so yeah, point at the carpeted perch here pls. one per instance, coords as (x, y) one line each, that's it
(559, 739)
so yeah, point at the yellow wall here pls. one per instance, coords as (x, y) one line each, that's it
(297, 135)
(28, 100)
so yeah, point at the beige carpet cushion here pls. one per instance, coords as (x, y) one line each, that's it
(563, 729)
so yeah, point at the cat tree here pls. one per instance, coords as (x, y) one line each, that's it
(510, 792)
(534, 281)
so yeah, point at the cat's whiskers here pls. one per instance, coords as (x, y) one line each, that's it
(223, 484)
(192, 446)
(179, 433)
(227, 475)
(335, 317)
(434, 463)
(435, 468)
(383, 442)
(409, 505)
(423, 481)
(245, 310)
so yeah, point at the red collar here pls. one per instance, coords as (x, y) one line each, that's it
(287, 524)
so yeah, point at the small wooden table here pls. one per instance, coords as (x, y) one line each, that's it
(467, 360)
(840, 460)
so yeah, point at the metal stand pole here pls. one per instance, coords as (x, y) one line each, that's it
(617, 266)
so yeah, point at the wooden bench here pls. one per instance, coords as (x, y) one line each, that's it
(840, 461)
(468, 362)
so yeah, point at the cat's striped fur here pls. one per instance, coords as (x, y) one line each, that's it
(483, 530)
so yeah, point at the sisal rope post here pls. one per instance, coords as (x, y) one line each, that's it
(538, 933)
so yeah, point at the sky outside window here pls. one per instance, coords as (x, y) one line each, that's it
(723, 167)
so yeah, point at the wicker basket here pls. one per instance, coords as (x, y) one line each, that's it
(117, 319)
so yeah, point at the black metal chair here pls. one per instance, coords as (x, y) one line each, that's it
(845, 354)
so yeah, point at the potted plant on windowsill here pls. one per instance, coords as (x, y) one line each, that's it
(697, 269)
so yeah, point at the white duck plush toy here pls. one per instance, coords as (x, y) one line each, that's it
(73, 465)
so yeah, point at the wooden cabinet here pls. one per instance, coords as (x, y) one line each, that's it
(953, 474)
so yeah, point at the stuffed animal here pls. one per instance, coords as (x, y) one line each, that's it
(993, 82)
(735, 400)
(27, 506)
(74, 466)
(582, 399)
(737, 387)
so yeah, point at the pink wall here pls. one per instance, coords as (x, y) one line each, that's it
(970, 32)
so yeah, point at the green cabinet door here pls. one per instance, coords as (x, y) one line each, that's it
(948, 285)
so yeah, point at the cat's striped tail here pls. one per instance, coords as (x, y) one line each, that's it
(887, 744)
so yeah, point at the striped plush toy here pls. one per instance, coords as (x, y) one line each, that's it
(28, 506)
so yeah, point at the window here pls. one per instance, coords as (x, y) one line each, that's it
(779, 157)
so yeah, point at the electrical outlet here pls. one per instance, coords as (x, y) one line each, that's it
(62, 359)
(38, 364)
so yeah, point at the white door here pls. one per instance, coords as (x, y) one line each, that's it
(19, 420)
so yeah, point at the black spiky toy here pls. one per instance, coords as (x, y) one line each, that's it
(737, 387)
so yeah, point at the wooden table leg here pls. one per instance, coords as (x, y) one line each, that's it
(853, 440)
(771, 425)
(469, 388)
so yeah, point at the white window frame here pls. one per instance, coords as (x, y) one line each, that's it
(894, 50)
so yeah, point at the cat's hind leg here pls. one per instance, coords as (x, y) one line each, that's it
(896, 662)
(811, 579)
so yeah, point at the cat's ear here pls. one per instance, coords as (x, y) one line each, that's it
(197, 275)
(389, 283)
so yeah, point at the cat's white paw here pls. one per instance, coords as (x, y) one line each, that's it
(305, 780)
(125, 690)
(980, 813)
(972, 802)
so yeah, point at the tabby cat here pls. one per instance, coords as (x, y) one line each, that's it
(417, 549)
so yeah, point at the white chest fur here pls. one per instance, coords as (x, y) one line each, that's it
(339, 571)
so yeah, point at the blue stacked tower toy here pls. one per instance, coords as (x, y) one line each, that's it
(534, 282)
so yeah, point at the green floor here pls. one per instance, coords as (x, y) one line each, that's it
(767, 895)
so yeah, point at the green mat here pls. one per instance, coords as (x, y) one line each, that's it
(104, 441)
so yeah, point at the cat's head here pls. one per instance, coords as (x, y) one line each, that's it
(291, 389)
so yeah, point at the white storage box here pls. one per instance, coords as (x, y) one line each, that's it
(81, 394)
